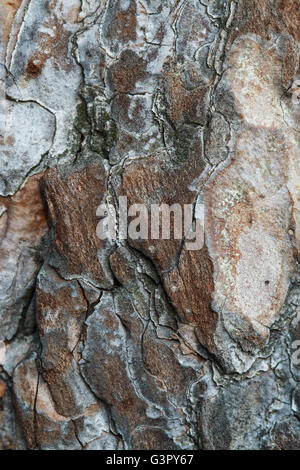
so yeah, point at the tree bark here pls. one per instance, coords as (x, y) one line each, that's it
(146, 343)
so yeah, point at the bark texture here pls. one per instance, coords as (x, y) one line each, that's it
(144, 344)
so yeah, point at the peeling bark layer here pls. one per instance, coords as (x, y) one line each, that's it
(146, 344)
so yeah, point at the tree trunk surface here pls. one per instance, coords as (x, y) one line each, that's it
(148, 343)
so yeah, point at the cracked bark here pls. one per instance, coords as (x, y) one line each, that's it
(146, 344)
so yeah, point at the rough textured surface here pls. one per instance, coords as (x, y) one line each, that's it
(146, 344)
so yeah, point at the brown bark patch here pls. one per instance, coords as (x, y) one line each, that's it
(23, 217)
(33, 69)
(289, 10)
(123, 23)
(7, 14)
(128, 70)
(72, 201)
(184, 106)
(2, 389)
